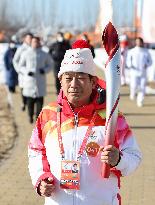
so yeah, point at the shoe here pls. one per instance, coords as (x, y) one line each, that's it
(140, 99)
(132, 97)
(31, 120)
(23, 108)
(139, 104)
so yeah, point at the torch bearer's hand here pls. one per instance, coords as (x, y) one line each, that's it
(46, 187)
(110, 155)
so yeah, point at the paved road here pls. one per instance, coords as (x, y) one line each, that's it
(137, 189)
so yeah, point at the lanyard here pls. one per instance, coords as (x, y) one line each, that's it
(84, 142)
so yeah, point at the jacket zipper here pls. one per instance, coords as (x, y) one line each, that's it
(75, 149)
(74, 146)
(75, 137)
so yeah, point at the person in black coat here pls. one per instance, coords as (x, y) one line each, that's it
(85, 37)
(57, 51)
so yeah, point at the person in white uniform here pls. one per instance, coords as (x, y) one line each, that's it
(138, 60)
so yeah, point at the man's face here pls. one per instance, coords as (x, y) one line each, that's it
(59, 37)
(77, 87)
(139, 43)
(28, 39)
(74, 167)
(35, 43)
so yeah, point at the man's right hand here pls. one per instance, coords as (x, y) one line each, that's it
(46, 187)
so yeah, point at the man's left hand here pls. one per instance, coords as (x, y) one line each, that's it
(110, 155)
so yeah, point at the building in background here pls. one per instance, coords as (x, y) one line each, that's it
(132, 17)
(48, 17)
(126, 17)
(148, 25)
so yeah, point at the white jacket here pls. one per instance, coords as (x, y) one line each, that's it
(138, 60)
(16, 60)
(33, 60)
(45, 158)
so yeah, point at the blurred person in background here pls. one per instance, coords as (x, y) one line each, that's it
(124, 51)
(85, 37)
(37, 63)
(68, 37)
(57, 51)
(3, 71)
(3, 49)
(138, 60)
(25, 45)
(11, 74)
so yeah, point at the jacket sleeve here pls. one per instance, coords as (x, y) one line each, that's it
(149, 59)
(16, 59)
(130, 153)
(129, 58)
(22, 64)
(38, 164)
(48, 63)
(6, 60)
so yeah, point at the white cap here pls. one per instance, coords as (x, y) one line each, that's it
(123, 37)
(78, 60)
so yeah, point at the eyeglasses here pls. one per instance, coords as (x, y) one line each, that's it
(79, 77)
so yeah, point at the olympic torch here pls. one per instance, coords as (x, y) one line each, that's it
(112, 76)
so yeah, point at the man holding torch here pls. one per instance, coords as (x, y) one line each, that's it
(72, 131)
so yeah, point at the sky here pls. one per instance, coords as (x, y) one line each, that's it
(75, 14)
(50, 16)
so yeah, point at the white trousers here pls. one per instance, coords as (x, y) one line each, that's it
(137, 86)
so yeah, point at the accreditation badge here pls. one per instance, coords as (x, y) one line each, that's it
(70, 175)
